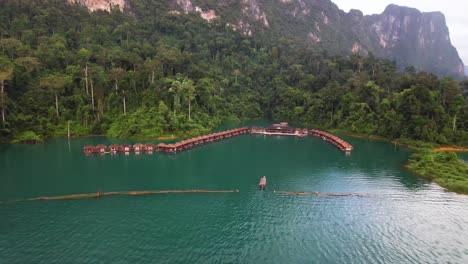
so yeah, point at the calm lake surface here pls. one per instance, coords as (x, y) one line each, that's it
(404, 219)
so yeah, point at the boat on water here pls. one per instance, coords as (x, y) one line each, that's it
(263, 183)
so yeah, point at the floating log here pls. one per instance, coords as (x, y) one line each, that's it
(323, 194)
(102, 194)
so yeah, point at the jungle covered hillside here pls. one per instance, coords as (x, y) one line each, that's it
(146, 73)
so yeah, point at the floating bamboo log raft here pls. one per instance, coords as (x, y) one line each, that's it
(102, 194)
(322, 194)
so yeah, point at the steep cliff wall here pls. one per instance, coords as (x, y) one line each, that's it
(415, 38)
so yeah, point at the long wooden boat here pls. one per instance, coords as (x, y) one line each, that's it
(263, 183)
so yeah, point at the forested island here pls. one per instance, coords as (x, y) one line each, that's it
(149, 73)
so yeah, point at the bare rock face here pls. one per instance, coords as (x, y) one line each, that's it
(418, 39)
(94, 5)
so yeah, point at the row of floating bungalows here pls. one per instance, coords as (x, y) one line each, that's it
(114, 148)
(162, 147)
(338, 142)
(189, 143)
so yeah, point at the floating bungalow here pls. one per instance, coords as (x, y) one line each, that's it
(88, 149)
(281, 128)
(100, 149)
(125, 148)
(149, 147)
(138, 147)
(113, 148)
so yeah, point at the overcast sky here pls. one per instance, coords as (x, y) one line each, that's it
(455, 12)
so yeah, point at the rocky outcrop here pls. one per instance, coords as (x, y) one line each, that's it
(94, 5)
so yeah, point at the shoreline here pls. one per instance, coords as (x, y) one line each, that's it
(410, 144)
(454, 149)
(419, 148)
(375, 137)
(162, 138)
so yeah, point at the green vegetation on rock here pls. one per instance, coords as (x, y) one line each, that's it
(28, 137)
(444, 168)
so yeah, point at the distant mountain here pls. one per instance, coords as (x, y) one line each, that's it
(466, 70)
(403, 34)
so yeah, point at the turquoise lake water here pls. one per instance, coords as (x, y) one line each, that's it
(404, 219)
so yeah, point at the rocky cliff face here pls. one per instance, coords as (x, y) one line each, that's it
(405, 35)
(94, 5)
(415, 38)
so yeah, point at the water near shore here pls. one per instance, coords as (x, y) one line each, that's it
(463, 156)
(404, 219)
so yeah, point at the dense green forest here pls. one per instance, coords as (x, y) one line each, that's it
(146, 73)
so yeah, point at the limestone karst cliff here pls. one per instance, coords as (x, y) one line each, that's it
(406, 35)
